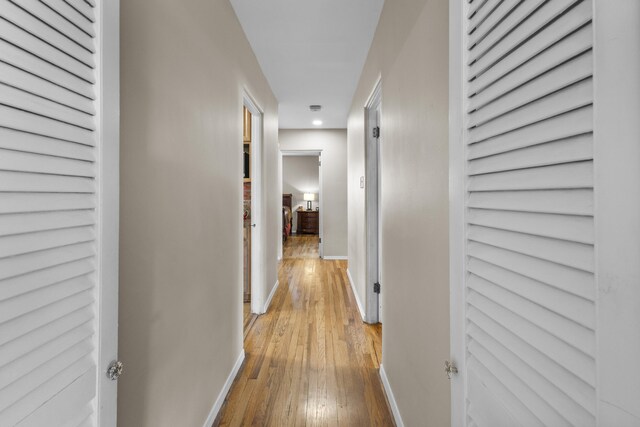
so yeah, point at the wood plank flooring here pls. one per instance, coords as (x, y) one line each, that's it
(248, 317)
(310, 360)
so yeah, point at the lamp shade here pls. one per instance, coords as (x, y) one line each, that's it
(309, 196)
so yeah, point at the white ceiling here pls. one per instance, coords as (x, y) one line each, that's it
(312, 52)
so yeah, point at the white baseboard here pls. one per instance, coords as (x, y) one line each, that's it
(225, 390)
(392, 400)
(271, 294)
(339, 258)
(355, 294)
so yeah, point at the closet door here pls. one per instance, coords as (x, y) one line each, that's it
(58, 212)
(529, 296)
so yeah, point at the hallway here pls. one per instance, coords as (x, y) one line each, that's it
(310, 360)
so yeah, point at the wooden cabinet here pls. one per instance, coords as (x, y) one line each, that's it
(308, 221)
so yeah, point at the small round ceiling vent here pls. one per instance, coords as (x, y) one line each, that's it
(315, 107)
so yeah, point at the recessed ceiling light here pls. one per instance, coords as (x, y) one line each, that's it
(317, 122)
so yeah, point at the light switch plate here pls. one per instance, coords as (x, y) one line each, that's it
(362, 182)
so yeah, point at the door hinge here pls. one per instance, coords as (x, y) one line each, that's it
(450, 368)
(320, 240)
(319, 163)
(376, 288)
(376, 132)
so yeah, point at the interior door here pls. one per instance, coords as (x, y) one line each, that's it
(372, 200)
(58, 211)
(526, 338)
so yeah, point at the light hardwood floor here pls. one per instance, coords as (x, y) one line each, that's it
(310, 360)
(248, 318)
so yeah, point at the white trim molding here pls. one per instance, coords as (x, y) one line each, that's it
(457, 210)
(390, 398)
(617, 209)
(225, 390)
(335, 258)
(355, 294)
(270, 297)
(108, 197)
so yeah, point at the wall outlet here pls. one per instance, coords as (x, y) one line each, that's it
(362, 182)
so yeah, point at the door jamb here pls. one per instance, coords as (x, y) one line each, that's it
(372, 208)
(258, 217)
(108, 195)
(457, 213)
(616, 152)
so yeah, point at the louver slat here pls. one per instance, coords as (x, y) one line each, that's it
(34, 64)
(48, 219)
(483, 59)
(500, 80)
(571, 385)
(45, 183)
(561, 227)
(30, 43)
(530, 286)
(490, 23)
(551, 398)
(552, 299)
(41, 11)
(14, 77)
(26, 101)
(569, 202)
(29, 143)
(571, 98)
(575, 149)
(19, 224)
(39, 29)
(72, 15)
(558, 78)
(565, 355)
(84, 8)
(574, 281)
(26, 162)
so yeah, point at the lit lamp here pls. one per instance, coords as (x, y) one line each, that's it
(309, 197)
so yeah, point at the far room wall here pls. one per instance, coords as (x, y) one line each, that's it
(333, 145)
(299, 176)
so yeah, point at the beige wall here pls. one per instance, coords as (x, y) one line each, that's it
(184, 65)
(410, 53)
(333, 144)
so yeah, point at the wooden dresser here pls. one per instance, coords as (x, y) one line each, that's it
(308, 221)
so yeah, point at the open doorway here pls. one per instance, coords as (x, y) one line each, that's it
(253, 213)
(374, 306)
(302, 192)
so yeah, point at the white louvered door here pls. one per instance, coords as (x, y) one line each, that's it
(529, 288)
(58, 234)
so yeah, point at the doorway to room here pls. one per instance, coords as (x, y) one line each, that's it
(302, 201)
(253, 229)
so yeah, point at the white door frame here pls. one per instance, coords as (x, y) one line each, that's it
(108, 195)
(373, 217)
(617, 209)
(258, 220)
(457, 216)
(305, 153)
